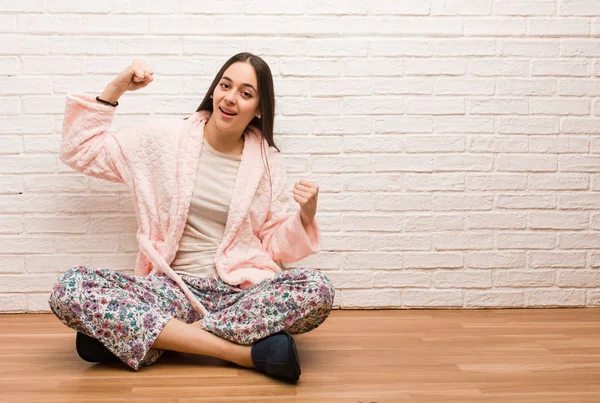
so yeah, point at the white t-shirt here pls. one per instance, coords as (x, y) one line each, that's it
(209, 208)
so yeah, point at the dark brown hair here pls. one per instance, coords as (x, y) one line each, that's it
(266, 93)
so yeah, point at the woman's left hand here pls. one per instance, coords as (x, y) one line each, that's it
(306, 194)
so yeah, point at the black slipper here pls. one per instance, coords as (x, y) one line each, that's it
(91, 350)
(276, 355)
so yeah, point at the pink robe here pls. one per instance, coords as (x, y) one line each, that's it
(158, 162)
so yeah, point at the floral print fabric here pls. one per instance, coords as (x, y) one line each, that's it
(127, 313)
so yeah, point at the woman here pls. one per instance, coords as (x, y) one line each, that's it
(212, 206)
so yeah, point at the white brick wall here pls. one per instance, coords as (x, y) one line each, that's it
(455, 142)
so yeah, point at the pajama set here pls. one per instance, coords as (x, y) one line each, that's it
(212, 230)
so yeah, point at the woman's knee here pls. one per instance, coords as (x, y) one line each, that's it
(319, 287)
(66, 285)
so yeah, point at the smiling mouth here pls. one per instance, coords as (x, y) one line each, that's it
(227, 113)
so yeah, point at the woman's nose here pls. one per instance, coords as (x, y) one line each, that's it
(230, 97)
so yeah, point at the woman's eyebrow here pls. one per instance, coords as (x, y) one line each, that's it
(246, 84)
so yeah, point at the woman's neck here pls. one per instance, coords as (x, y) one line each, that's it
(223, 142)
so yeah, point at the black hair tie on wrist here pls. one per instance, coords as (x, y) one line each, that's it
(106, 102)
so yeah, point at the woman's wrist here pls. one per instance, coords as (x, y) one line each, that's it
(111, 93)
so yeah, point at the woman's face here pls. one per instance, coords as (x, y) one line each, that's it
(235, 98)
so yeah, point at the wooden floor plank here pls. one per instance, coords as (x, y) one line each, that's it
(417, 356)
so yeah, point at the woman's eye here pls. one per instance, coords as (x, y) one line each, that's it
(247, 94)
(223, 85)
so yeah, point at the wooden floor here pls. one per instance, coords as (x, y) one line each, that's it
(416, 356)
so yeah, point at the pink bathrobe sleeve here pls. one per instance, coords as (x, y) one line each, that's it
(282, 235)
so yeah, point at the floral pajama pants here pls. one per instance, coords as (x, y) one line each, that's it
(127, 313)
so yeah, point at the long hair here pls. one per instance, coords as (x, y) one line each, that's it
(266, 95)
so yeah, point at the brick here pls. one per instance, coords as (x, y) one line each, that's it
(437, 260)
(82, 24)
(529, 47)
(410, 47)
(10, 145)
(393, 163)
(346, 47)
(496, 221)
(340, 125)
(461, 7)
(497, 67)
(435, 106)
(308, 25)
(371, 223)
(495, 27)
(27, 244)
(551, 298)
(23, 44)
(558, 182)
(38, 302)
(499, 144)
(579, 68)
(528, 125)
(493, 299)
(402, 124)
(579, 47)
(523, 278)
(524, 8)
(393, 202)
(9, 65)
(523, 240)
(549, 259)
(373, 144)
(558, 144)
(55, 263)
(29, 6)
(395, 242)
(395, 85)
(496, 182)
(373, 67)
(560, 220)
(75, 6)
(533, 87)
(433, 298)
(561, 106)
(579, 125)
(462, 202)
(371, 105)
(358, 279)
(495, 259)
(294, 106)
(463, 163)
(27, 283)
(578, 278)
(558, 26)
(578, 7)
(464, 47)
(274, 7)
(370, 183)
(192, 6)
(475, 240)
(433, 182)
(311, 68)
(13, 303)
(371, 298)
(442, 26)
(341, 163)
(337, 243)
(11, 224)
(401, 278)
(456, 86)
(339, 87)
(498, 106)
(529, 163)
(434, 67)
(462, 279)
(345, 202)
(403, 7)
(464, 124)
(526, 201)
(11, 264)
